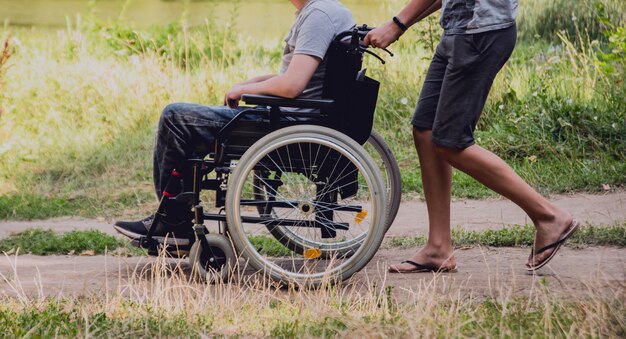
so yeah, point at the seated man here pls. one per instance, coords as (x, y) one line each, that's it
(186, 130)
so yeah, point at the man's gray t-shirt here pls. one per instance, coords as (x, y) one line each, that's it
(477, 16)
(316, 25)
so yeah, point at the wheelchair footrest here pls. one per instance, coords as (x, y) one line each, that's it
(154, 247)
(149, 244)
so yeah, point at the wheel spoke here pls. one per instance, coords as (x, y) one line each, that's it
(305, 206)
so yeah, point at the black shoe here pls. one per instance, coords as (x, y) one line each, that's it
(176, 234)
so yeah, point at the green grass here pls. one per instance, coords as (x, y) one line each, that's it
(512, 236)
(79, 106)
(548, 175)
(33, 206)
(269, 246)
(525, 317)
(515, 236)
(541, 20)
(48, 242)
(55, 320)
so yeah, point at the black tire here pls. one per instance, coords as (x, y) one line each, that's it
(391, 172)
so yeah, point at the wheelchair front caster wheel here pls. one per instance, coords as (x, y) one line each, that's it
(214, 263)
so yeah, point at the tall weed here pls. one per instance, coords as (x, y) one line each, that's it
(157, 298)
(541, 20)
(5, 54)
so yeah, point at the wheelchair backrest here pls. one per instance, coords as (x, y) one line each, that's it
(355, 95)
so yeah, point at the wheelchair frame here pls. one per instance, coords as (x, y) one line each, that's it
(225, 151)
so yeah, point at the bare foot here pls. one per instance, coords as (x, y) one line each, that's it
(548, 232)
(429, 256)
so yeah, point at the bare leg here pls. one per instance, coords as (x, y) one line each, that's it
(437, 180)
(496, 174)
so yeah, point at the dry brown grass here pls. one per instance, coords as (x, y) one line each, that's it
(5, 54)
(159, 299)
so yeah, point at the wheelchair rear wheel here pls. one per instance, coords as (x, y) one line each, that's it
(324, 194)
(381, 153)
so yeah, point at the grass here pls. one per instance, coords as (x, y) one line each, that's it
(163, 302)
(542, 21)
(78, 108)
(38, 241)
(80, 105)
(516, 236)
(519, 317)
(46, 242)
(269, 246)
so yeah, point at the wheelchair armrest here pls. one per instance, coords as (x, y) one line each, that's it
(268, 100)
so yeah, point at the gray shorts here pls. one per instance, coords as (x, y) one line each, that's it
(457, 84)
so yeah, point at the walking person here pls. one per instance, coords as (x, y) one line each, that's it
(478, 38)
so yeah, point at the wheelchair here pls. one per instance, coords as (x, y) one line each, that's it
(300, 197)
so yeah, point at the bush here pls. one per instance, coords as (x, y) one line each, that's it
(542, 19)
(45, 242)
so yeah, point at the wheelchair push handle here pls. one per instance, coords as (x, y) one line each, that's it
(358, 32)
(357, 35)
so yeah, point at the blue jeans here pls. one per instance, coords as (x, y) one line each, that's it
(187, 131)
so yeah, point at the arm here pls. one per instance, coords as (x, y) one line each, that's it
(413, 12)
(250, 81)
(288, 85)
(258, 79)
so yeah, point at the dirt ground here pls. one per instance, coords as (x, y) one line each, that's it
(482, 271)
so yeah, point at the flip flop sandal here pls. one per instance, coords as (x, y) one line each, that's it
(419, 268)
(556, 245)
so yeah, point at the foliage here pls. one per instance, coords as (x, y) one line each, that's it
(295, 314)
(172, 43)
(541, 20)
(80, 106)
(269, 246)
(5, 54)
(515, 236)
(613, 61)
(54, 319)
(47, 242)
